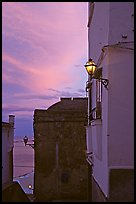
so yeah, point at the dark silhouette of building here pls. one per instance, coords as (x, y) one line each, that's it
(13, 192)
(60, 151)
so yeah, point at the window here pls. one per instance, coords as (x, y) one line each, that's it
(96, 112)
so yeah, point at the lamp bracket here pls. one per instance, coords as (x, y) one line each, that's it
(105, 82)
(88, 85)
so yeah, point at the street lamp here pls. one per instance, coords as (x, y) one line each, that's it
(30, 187)
(26, 142)
(95, 73)
(90, 67)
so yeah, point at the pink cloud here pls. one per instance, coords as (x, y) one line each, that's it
(55, 30)
(57, 35)
(38, 78)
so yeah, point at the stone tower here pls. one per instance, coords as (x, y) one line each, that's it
(60, 159)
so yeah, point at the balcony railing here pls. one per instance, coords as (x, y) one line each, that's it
(96, 112)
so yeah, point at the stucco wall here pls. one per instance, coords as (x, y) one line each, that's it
(113, 22)
(121, 22)
(121, 108)
(98, 30)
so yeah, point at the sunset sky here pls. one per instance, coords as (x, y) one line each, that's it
(44, 49)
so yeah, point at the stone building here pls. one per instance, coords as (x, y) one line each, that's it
(60, 159)
(11, 190)
(7, 150)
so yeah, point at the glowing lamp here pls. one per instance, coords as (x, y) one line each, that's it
(95, 73)
(90, 67)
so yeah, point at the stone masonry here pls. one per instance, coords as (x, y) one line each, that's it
(60, 145)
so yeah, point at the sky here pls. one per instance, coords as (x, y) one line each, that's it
(44, 49)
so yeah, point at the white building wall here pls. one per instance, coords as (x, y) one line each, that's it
(121, 22)
(110, 23)
(100, 169)
(98, 30)
(100, 164)
(121, 76)
(121, 109)
(98, 37)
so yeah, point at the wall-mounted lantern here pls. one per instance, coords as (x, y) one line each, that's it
(30, 187)
(95, 72)
(32, 190)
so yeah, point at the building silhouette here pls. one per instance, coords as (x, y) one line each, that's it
(11, 190)
(60, 151)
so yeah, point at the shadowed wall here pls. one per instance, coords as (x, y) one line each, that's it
(60, 160)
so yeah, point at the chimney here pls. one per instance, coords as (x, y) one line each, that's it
(11, 133)
(11, 120)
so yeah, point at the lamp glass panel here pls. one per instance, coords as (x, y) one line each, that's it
(90, 67)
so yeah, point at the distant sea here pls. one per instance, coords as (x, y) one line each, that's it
(23, 164)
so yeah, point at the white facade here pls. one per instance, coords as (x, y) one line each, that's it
(7, 150)
(111, 41)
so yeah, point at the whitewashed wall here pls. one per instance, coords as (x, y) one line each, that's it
(121, 22)
(110, 23)
(121, 109)
(98, 30)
